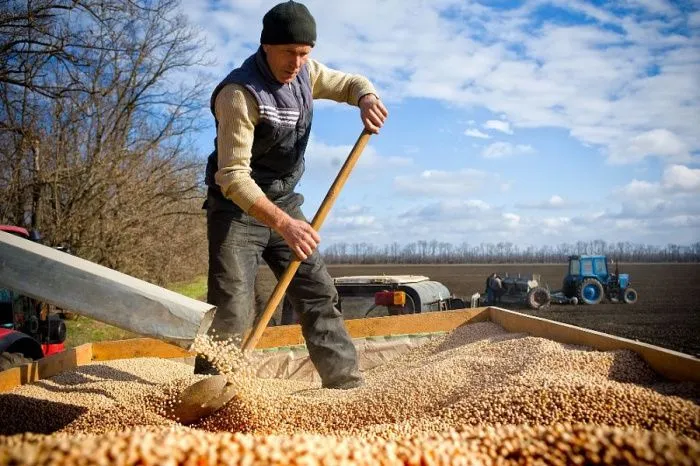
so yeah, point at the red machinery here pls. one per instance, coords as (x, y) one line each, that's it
(28, 327)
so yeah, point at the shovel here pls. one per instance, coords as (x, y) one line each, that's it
(211, 394)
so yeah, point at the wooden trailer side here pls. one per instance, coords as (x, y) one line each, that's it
(671, 364)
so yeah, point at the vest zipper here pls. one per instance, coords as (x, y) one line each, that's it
(300, 105)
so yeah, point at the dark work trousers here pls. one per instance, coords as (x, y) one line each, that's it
(237, 245)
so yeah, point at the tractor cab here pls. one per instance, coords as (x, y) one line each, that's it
(589, 266)
(590, 280)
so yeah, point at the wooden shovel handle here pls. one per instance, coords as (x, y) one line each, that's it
(318, 220)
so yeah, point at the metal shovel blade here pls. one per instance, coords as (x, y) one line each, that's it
(203, 399)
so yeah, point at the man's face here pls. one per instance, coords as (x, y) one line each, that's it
(286, 60)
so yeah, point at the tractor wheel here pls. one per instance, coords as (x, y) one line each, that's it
(630, 296)
(10, 360)
(590, 291)
(538, 297)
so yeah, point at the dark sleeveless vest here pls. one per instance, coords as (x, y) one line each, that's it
(281, 134)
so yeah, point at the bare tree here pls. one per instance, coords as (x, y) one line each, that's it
(97, 120)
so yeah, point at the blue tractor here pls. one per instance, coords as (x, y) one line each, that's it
(589, 280)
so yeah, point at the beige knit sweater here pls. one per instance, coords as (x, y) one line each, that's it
(237, 112)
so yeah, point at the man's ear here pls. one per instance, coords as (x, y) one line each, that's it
(266, 47)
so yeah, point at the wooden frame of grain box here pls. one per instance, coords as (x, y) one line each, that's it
(671, 364)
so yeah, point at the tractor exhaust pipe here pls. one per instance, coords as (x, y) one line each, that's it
(89, 289)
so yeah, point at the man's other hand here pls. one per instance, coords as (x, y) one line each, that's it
(300, 236)
(373, 113)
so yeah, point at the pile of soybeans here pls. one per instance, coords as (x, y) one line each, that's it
(477, 395)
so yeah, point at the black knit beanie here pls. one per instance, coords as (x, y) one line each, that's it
(288, 23)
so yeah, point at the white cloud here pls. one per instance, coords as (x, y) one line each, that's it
(681, 178)
(476, 204)
(674, 196)
(475, 133)
(454, 207)
(637, 189)
(353, 221)
(457, 221)
(677, 180)
(511, 220)
(477, 221)
(694, 19)
(556, 222)
(682, 221)
(351, 210)
(556, 226)
(499, 125)
(330, 158)
(441, 183)
(555, 202)
(501, 149)
(654, 6)
(657, 142)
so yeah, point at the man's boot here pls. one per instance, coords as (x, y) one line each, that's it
(354, 380)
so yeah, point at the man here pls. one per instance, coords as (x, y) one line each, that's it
(263, 112)
(494, 288)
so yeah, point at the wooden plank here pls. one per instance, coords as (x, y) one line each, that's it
(89, 352)
(69, 359)
(427, 322)
(11, 378)
(104, 294)
(136, 348)
(671, 364)
(45, 367)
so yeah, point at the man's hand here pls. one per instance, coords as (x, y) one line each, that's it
(373, 112)
(300, 236)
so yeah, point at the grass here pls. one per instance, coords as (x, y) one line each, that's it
(196, 289)
(82, 329)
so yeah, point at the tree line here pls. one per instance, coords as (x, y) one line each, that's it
(95, 128)
(437, 252)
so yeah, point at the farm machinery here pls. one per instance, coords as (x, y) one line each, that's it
(393, 295)
(361, 296)
(519, 290)
(29, 328)
(382, 295)
(589, 280)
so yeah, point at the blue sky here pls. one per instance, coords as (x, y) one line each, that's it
(536, 122)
